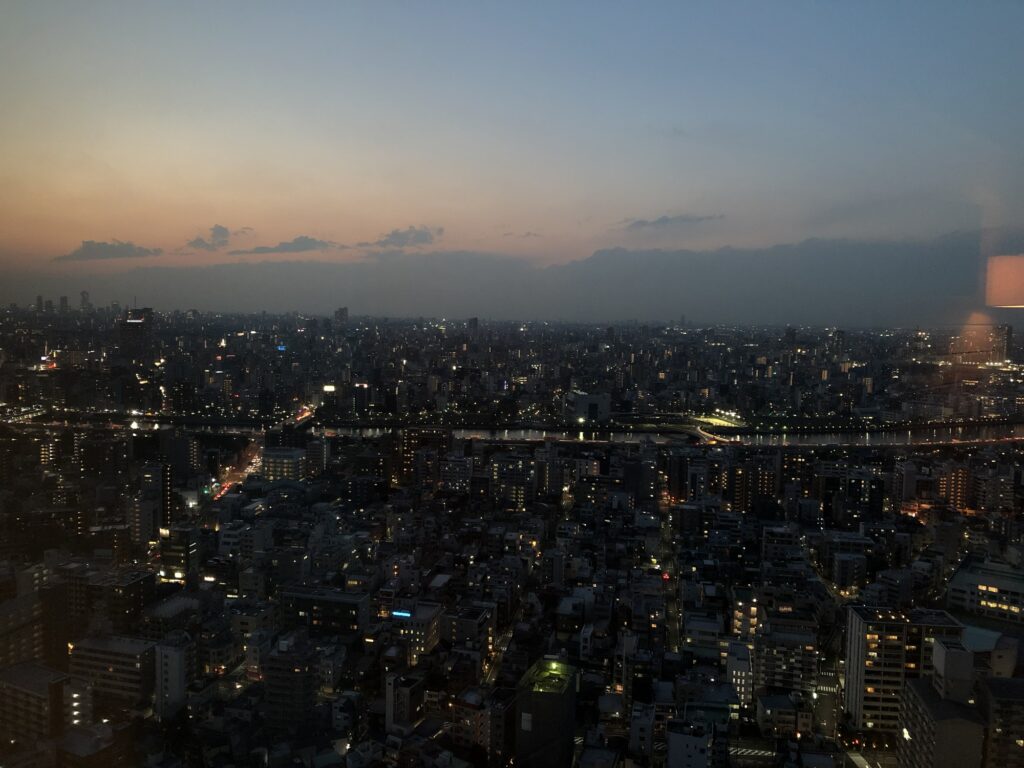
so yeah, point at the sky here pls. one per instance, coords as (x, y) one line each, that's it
(145, 145)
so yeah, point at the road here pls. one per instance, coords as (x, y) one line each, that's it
(251, 460)
(500, 646)
(667, 562)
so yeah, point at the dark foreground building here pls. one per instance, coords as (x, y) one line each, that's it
(546, 711)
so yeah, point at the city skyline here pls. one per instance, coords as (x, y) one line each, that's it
(871, 284)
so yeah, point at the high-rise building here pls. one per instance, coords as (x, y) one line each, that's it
(181, 452)
(119, 597)
(412, 440)
(420, 627)
(954, 483)
(318, 452)
(513, 479)
(21, 629)
(290, 675)
(739, 672)
(786, 658)
(37, 702)
(938, 726)
(156, 487)
(1001, 701)
(456, 473)
(119, 669)
(175, 668)
(1002, 342)
(324, 611)
(546, 715)
(143, 520)
(884, 649)
(136, 333)
(179, 555)
(284, 463)
(403, 702)
(485, 719)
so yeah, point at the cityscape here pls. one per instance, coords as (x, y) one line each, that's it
(341, 540)
(511, 385)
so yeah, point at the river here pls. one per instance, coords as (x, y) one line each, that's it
(938, 436)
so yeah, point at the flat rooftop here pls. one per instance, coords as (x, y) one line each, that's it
(934, 617)
(31, 677)
(115, 644)
(548, 676)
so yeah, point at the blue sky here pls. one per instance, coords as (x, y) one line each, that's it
(544, 131)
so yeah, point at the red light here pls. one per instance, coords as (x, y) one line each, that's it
(665, 576)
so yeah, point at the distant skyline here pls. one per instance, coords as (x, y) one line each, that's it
(819, 282)
(146, 142)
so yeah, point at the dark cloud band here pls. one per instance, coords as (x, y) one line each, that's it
(97, 250)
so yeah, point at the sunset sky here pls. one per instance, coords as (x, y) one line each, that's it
(187, 134)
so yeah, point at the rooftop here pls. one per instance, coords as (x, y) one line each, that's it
(115, 644)
(548, 676)
(31, 677)
(941, 709)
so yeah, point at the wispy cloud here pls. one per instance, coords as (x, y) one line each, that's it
(525, 235)
(219, 237)
(663, 223)
(96, 250)
(410, 237)
(300, 244)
